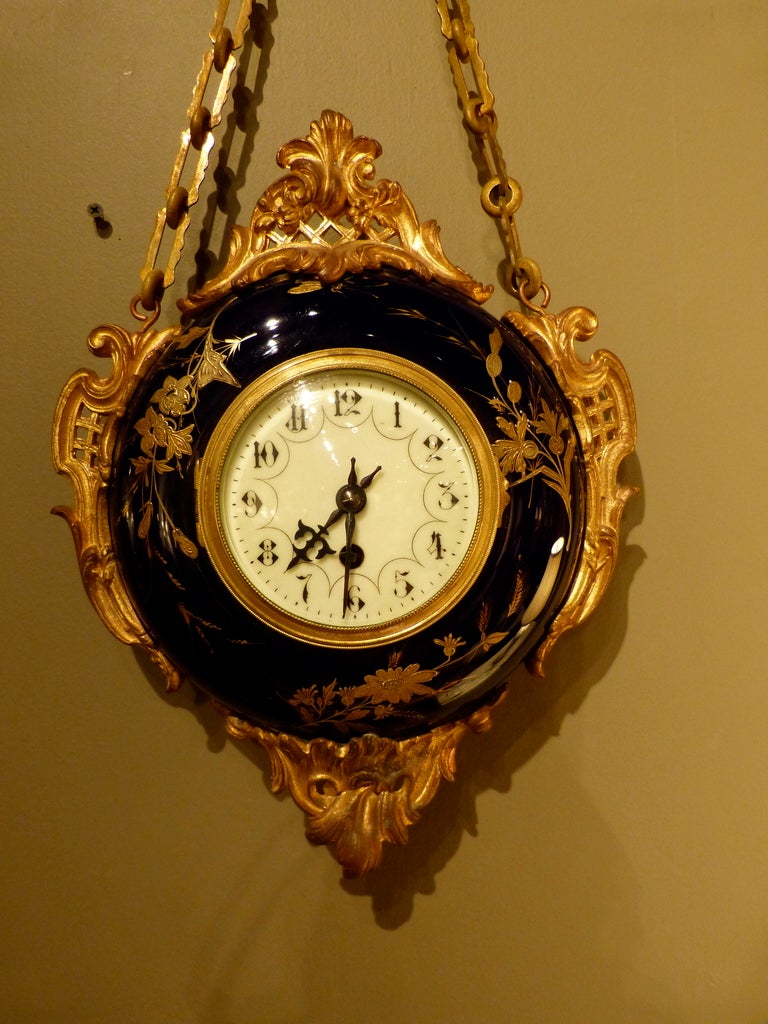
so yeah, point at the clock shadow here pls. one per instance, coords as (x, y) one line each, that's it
(529, 717)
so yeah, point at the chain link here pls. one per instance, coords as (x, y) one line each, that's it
(501, 195)
(220, 59)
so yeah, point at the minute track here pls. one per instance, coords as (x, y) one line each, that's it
(374, 567)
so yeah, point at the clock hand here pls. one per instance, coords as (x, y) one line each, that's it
(312, 539)
(352, 499)
(367, 479)
(349, 498)
(349, 530)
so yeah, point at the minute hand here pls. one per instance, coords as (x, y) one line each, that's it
(349, 530)
(350, 500)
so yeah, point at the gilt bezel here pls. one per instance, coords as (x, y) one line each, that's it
(211, 529)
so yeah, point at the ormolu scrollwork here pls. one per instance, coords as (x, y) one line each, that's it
(600, 396)
(328, 217)
(360, 795)
(86, 423)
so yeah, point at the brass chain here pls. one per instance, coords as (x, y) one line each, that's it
(501, 195)
(220, 58)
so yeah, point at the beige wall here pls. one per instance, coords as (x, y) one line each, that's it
(604, 857)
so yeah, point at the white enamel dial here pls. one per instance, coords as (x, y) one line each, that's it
(348, 497)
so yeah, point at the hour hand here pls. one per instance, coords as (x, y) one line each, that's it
(315, 545)
(349, 497)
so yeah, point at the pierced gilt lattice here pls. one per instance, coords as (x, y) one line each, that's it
(326, 232)
(601, 413)
(89, 426)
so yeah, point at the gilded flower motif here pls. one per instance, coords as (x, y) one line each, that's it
(552, 424)
(514, 392)
(158, 432)
(393, 685)
(450, 644)
(514, 453)
(493, 363)
(174, 396)
(163, 439)
(556, 445)
(213, 367)
(154, 430)
(306, 695)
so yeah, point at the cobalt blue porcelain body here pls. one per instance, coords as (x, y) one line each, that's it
(286, 684)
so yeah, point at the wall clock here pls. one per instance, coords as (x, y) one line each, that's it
(339, 496)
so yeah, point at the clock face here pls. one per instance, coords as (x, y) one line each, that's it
(348, 496)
